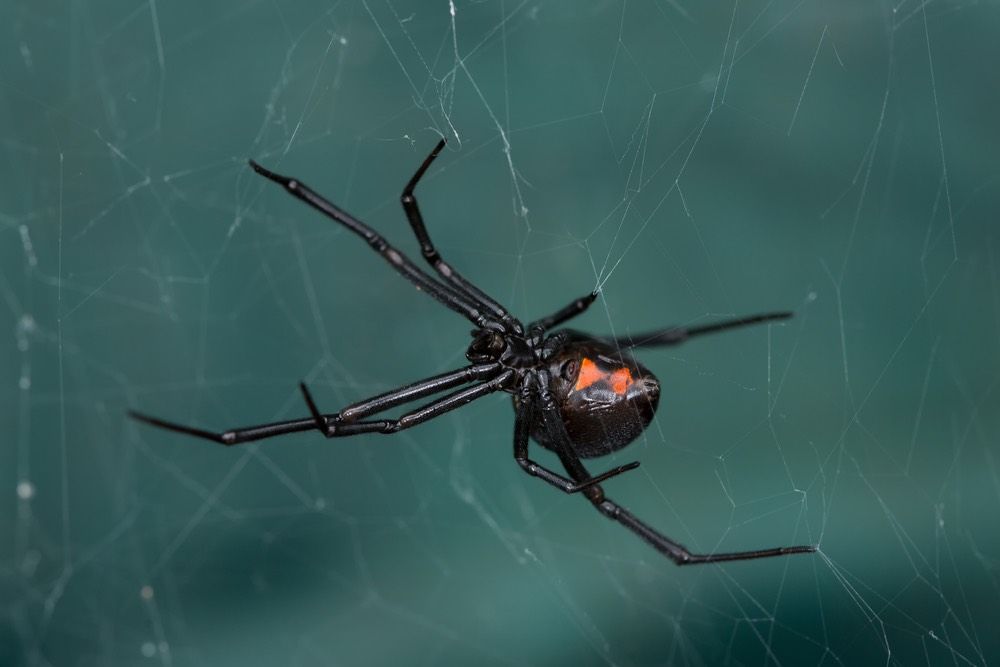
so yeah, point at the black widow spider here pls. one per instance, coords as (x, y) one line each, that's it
(577, 395)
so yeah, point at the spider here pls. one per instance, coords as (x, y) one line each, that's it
(578, 395)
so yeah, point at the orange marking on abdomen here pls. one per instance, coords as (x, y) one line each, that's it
(589, 374)
(620, 380)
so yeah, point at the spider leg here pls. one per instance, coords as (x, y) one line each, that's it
(405, 394)
(565, 313)
(421, 389)
(675, 551)
(678, 552)
(332, 428)
(523, 418)
(234, 436)
(430, 253)
(595, 494)
(677, 335)
(445, 294)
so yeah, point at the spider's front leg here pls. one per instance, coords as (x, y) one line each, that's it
(433, 257)
(346, 417)
(337, 428)
(567, 312)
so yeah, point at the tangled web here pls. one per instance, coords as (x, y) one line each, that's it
(689, 162)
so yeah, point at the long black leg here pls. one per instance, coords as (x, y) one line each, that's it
(431, 385)
(372, 405)
(443, 293)
(674, 550)
(332, 428)
(524, 416)
(678, 552)
(430, 253)
(565, 313)
(677, 335)
(236, 436)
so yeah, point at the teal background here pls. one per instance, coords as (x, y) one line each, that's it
(693, 160)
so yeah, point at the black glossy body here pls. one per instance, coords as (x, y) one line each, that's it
(578, 395)
(600, 418)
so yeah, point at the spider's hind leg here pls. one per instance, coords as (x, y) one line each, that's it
(523, 418)
(678, 552)
(675, 551)
(595, 494)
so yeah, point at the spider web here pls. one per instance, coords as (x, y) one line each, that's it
(690, 162)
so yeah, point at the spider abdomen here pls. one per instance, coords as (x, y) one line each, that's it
(606, 398)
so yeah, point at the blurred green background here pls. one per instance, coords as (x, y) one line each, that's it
(693, 160)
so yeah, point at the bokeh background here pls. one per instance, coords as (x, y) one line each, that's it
(691, 160)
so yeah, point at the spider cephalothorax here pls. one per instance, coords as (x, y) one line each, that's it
(578, 395)
(509, 350)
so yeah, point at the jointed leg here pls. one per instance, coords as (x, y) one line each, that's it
(522, 427)
(678, 552)
(430, 253)
(236, 436)
(370, 406)
(445, 294)
(332, 428)
(565, 313)
(675, 551)
(411, 392)
(677, 335)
